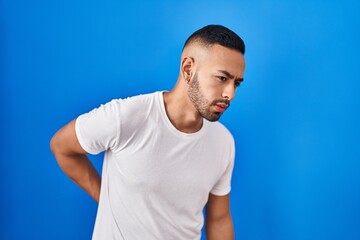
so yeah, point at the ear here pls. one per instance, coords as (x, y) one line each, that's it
(187, 68)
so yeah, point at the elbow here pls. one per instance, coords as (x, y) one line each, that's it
(55, 144)
(57, 149)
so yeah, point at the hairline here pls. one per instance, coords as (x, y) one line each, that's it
(208, 45)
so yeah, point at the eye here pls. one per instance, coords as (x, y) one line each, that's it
(221, 78)
(237, 84)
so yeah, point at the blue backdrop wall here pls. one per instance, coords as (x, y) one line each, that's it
(296, 117)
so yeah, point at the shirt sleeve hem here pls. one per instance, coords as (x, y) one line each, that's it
(81, 140)
(221, 192)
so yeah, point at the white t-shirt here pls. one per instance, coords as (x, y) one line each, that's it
(155, 179)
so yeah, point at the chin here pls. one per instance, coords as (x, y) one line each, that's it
(213, 117)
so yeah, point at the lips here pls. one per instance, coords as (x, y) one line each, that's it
(221, 107)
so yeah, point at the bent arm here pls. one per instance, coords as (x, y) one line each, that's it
(72, 159)
(218, 218)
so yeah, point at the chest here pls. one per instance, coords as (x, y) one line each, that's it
(156, 162)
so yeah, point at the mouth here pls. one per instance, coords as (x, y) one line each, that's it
(220, 107)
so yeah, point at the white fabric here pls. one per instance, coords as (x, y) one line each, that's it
(155, 179)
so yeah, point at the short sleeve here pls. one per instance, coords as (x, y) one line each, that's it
(223, 185)
(98, 130)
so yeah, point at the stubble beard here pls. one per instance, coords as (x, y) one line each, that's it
(201, 104)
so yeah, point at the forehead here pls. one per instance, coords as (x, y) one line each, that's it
(222, 58)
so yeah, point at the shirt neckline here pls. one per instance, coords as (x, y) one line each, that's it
(172, 128)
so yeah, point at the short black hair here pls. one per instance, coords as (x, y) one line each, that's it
(217, 34)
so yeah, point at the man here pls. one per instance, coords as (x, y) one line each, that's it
(166, 156)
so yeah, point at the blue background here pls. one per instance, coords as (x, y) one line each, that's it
(296, 117)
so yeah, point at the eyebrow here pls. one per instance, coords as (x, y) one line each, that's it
(229, 75)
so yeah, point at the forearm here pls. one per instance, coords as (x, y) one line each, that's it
(79, 168)
(220, 229)
(72, 159)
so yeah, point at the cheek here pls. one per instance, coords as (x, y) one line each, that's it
(208, 82)
(211, 91)
(209, 86)
(214, 85)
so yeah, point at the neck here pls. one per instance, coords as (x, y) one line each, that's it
(181, 112)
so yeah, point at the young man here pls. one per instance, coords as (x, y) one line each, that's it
(166, 156)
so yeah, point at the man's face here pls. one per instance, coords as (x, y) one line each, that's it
(215, 81)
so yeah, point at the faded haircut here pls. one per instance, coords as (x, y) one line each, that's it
(217, 34)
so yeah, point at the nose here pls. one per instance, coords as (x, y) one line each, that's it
(229, 92)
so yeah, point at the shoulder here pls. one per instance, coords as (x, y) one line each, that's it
(125, 104)
(219, 131)
(139, 101)
(141, 98)
(138, 106)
